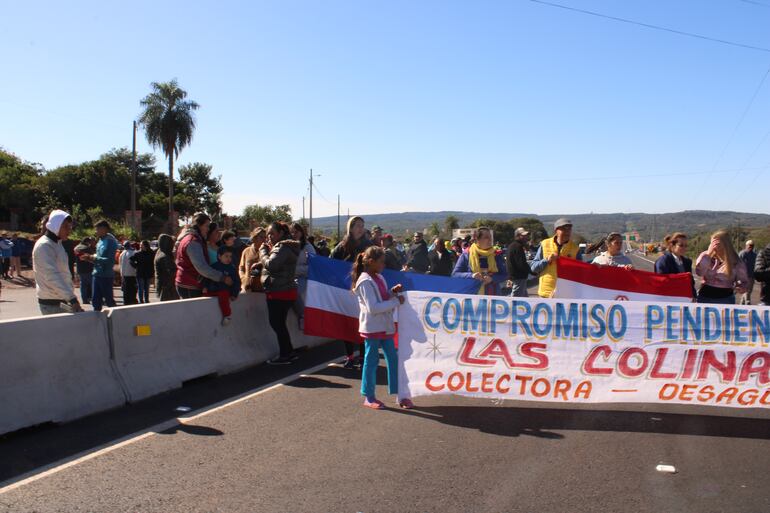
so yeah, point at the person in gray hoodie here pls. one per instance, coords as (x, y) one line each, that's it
(165, 269)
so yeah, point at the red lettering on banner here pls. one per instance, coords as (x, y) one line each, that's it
(459, 381)
(726, 370)
(546, 389)
(748, 397)
(687, 392)
(584, 388)
(728, 393)
(689, 364)
(529, 350)
(500, 389)
(523, 380)
(589, 366)
(660, 358)
(468, 381)
(765, 399)
(431, 387)
(497, 349)
(706, 394)
(668, 391)
(465, 354)
(624, 362)
(762, 370)
(562, 387)
(486, 383)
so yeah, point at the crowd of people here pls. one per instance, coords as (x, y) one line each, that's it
(204, 260)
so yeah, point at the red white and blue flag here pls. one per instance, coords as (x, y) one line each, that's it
(331, 309)
(578, 280)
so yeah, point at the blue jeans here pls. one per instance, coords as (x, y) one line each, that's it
(372, 361)
(102, 293)
(52, 309)
(86, 288)
(143, 284)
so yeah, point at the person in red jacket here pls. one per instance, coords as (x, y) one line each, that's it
(192, 260)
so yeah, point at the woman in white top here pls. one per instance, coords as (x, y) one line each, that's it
(614, 256)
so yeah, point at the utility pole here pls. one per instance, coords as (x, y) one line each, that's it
(303, 207)
(133, 184)
(338, 217)
(310, 224)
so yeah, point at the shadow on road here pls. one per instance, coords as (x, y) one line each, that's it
(543, 422)
(311, 382)
(192, 430)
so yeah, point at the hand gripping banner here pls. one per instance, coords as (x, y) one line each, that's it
(584, 351)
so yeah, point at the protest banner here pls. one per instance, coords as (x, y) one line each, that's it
(584, 351)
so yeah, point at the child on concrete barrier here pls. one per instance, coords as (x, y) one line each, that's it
(376, 324)
(222, 292)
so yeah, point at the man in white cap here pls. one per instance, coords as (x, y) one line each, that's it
(749, 257)
(516, 263)
(53, 277)
(544, 264)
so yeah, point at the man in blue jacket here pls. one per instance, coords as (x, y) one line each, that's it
(103, 261)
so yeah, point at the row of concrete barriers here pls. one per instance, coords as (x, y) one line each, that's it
(63, 367)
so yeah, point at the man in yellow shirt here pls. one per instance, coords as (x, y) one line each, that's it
(544, 264)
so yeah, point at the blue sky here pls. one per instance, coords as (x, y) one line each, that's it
(508, 106)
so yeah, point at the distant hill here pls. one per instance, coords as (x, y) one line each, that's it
(591, 226)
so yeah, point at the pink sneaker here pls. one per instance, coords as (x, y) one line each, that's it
(406, 404)
(375, 404)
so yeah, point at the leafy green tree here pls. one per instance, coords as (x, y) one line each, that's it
(451, 223)
(20, 188)
(260, 215)
(434, 230)
(204, 190)
(169, 123)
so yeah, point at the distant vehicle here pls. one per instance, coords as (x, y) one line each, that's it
(154, 245)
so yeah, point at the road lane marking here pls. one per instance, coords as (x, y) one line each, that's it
(113, 445)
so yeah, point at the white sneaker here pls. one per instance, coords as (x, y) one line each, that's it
(226, 321)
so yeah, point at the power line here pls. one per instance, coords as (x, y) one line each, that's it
(735, 131)
(754, 3)
(756, 175)
(654, 27)
(586, 178)
(322, 196)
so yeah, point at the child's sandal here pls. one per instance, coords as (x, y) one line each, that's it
(406, 404)
(375, 405)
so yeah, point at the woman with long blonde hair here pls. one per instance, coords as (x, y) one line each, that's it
(722, 271)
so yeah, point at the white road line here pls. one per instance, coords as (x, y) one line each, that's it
(81, 457)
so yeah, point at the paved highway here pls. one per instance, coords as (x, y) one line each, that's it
(297, 440)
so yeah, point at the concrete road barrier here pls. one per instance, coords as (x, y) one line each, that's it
(55, 368)
(185, 340)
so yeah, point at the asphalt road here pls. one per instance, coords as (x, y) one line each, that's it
(308, 445)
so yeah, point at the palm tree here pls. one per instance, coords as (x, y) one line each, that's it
(168, 123)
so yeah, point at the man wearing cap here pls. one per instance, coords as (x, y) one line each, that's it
(53, 280)
(516, 263)
(544, 264)
(103, 261)
(749, 258)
